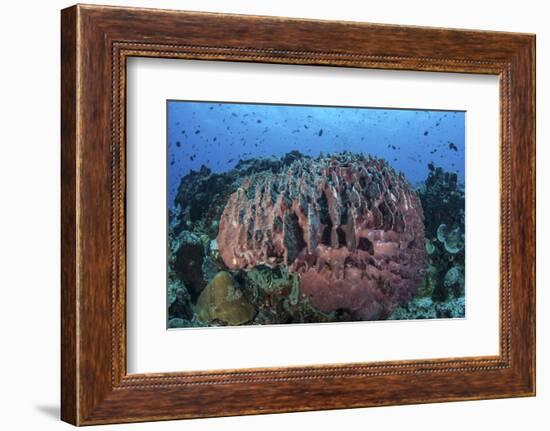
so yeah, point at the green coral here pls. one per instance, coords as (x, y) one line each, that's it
(222, 301)
(426, 308)
(417, 308)
(429, 246)
(294, 296)
(176, 291)
(428, 283)
(452, 239)
(177, 322)
(178, 299)
(452, 309)
(454, 279)
(270, 280)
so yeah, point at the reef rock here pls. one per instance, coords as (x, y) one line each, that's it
(188, 260)
(179, 300)
(349, 225)
(222, 301)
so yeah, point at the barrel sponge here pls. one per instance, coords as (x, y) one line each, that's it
(348, 224)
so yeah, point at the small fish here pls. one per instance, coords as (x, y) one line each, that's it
(197, 132)
(234, 115)
(258, 121)
(426, 133)
(452, 146)
(178, 144)
(321, 132)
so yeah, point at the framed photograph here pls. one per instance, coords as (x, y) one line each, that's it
(253, 205)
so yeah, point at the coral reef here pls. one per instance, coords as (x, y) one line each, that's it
(427, 308)
(349, 225)
(328, 239)
(223, 301)
(443, 200)
(194, 253)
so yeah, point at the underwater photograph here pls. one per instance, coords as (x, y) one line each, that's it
(288, 214)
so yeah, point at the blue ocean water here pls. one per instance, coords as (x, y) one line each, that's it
(218, 135)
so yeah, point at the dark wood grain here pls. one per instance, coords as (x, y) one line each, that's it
(69, 397)
(96, 41)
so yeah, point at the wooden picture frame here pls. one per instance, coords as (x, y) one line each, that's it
(95, 43)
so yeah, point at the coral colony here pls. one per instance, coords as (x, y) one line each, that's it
(341, 236)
